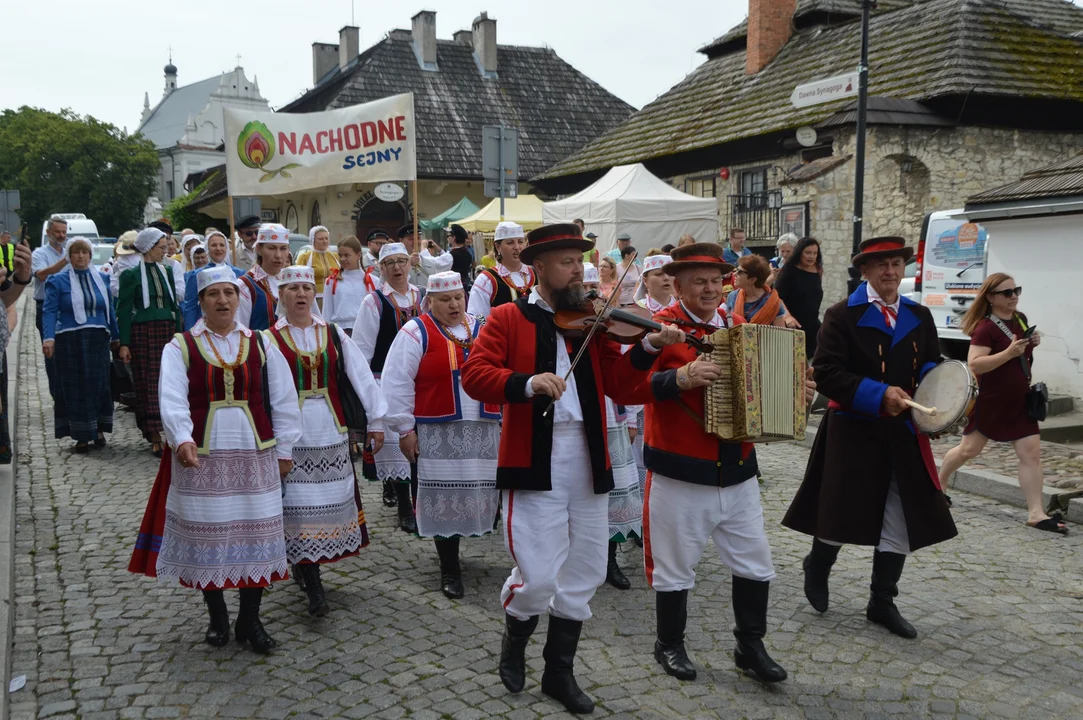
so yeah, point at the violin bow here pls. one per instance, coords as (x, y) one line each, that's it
(593, 329)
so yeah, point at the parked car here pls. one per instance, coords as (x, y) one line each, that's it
(906, 286)
(949, 271)
(103, 250)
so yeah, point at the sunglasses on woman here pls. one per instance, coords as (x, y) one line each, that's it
(1016, 291)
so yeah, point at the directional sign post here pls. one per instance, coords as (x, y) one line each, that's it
(826, 90)
(499, 161)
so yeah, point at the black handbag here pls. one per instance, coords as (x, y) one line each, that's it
(352, 409)
(1037, 399)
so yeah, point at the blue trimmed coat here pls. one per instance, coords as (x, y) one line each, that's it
(857, 450)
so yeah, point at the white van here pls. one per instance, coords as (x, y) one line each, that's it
(78, 225)
(951, 259)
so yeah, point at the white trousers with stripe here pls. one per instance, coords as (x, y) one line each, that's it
(680, 517)
(558, 538)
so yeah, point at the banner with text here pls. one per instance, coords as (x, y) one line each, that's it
(275, 153)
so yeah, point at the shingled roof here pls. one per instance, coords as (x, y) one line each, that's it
(1059, 180)
(919, 51)
(556, 108)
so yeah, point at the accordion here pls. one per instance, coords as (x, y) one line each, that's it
(760, 394)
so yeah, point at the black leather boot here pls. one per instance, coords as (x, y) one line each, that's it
(451, 576)
(887, 568)
(750, 620)
(558, 681)
(317, 597)
(817, 565)
(298, 575)
(248, 627)
(513, 651)
(218, 630)
(613, 574)
(407, 523)
(672, 616)
(391, 498)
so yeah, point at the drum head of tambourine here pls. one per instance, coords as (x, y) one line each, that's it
(949, 387)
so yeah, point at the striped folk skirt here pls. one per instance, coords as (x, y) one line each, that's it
(456, 478)
(148, 341)
(217, 526)
(321, 507)
(625, 502)
(83, 405)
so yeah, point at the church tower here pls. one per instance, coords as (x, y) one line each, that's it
(170, 77)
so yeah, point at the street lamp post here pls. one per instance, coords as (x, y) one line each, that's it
(862, 111)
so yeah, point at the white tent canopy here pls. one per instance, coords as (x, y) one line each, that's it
(630, 199)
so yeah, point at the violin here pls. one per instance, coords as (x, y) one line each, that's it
(624, 326)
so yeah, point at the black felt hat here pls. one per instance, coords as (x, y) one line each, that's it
(882, 247)
(560, 236)
(697, 255)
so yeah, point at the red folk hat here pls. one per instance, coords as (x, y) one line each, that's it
(882, 247)
(561, 236)
(697, 255)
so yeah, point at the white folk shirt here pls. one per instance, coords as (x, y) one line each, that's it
(120, 264)
(341, 306)
(567, 409)
(428, 265)
(653, 306)
(319, 422)
(875, 299)
(400, 376)
(178, 277)
(244, 309)
(366, 325)
(230, 429)
(482, 292)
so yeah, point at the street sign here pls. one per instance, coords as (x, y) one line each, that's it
(389, 192)
(499, 150)
(9, 217)
(492, 189)
(826, 90)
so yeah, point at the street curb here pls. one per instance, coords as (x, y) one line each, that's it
(7, 504)
(992, 485)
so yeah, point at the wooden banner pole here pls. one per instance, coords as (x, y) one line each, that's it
(232, 229)
(413, 193)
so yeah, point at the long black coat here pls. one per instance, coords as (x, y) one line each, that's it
(856, 452)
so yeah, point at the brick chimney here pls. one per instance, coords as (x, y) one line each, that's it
(484, 31)
(423, 32)
(349, 45)
(324, 59)
(769, 29)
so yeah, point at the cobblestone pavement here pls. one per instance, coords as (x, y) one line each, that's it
(999, 611)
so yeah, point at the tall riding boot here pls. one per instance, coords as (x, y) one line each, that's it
(407, 523)
(451, 577)
(887, 568)
(317, 597)
(672, 616)
(750, 620)
(613, 574)
(817, 565)
(298, 574)
(248, 627)
(558, 682)
(391, 498)
(218, 630)
(513, 651)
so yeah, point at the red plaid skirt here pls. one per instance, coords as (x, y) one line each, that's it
(148, 341)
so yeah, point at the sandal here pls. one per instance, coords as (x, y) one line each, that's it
(1050, 525)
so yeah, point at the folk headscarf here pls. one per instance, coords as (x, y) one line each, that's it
(312, 241)
(78, 300)
(144, 243)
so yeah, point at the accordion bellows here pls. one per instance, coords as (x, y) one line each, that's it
(760, 394)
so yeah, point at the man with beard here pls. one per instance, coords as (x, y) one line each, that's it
(553, 440)
(259, 286)
(509, 280)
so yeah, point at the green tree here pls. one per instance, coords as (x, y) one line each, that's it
(61, 162)
(182, 216)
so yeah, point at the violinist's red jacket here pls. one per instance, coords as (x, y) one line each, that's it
(519, 340)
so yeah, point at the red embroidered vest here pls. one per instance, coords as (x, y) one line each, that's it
(436, 388)
(320, 378)
(210, 388)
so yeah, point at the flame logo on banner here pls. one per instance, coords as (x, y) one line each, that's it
(256, 148)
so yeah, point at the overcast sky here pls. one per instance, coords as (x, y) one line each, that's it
(99, 58)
